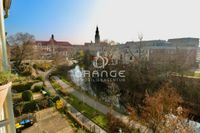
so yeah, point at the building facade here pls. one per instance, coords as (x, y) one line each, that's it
(47, 49)
(182, 50)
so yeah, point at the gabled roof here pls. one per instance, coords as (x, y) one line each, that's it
(61, 43)
(52, 40)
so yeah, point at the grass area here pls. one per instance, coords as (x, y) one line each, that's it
(70, 83)
(55, 85)
(91, 113)
(190, 74)
(197, 75)
(88, 111)
(64, 80)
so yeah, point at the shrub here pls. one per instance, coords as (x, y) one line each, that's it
(35, 66)
(43, 103)
(43, 66)
(37, 88)
(40, 78)
(30, 107)
(22, 86)
(115, 125)
(48, 93)
(50, 102)
(27, 95)
(56, 98)
(4, 77)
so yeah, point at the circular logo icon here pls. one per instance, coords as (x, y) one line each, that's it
(100, 62)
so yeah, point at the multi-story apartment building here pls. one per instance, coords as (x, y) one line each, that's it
(47, 49)
(183, 50)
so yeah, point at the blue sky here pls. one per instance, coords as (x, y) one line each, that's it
(64, 18)
(118, 20)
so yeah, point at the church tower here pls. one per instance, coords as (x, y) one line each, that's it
(97, 36)
(52, 41)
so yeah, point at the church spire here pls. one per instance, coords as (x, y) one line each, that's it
(52, 36)
(97, 36)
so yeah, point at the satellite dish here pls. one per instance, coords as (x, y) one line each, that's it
(6, 7)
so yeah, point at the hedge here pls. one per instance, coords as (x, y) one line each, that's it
(27, 95)
(37, 88)
(30, 107)
(23, 86)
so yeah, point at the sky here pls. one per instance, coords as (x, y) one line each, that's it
(118, 20)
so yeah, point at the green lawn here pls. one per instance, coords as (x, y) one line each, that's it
(55, 85)
(88, 111)
(197, 75)
(70, 83)
(64, 80)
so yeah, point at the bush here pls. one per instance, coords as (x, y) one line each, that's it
(27, 95)
(40, 78)
(30, 107)
(4, 77)
(43, 103)
(50, 102)
(115, 125)
(37, 88)
(43, 66)
(56, 98)
(48, 93)
(23, 86)
(35, 66)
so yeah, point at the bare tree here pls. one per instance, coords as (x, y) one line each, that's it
(175, 123)
(140, 37)
(109, 49)
(113, 91)
(59, 59)
(139, 47)
(163, 108)
(22, 48)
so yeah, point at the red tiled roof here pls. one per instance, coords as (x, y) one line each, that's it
(61, 43)
(43, 42)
